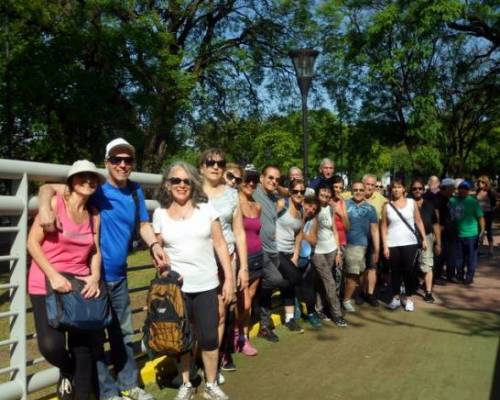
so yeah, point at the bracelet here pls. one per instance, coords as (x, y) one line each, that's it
(151, 246)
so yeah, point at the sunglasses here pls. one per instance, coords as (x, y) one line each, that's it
(415, 189)
(231, 177)
(380, 187)
(213, 163)
(87, 176)
(117, 160)
(358, 190)
(177, 181)
(296, 191)
(252, 179)
(273, 178)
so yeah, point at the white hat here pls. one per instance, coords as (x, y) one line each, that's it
(119, 142)
(85, 166)
(447, 182)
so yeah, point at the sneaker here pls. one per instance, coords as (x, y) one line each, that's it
(268, 334)
(372, 300)
(322, 316)
(293, 326)
(136, 394)
(468, 281)
(219, 378)
(440, 282)
(348, 307)
(454, 280)
(214, 392)
(360, 298)
(247, 348)
(314, 321)
(227, 363)
(339, 321)
(64, 388)
(394, 304)
(409, 306)
(428, 298)
(186, 392)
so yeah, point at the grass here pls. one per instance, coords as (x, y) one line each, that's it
(435, 353)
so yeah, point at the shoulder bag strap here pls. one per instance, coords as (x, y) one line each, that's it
(406, 222)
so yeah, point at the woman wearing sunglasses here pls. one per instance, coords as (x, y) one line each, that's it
(400, 239)
(225, 200)
(188, 227)
(288, 238)
(233, 176)
(250, 211)
(73, 248)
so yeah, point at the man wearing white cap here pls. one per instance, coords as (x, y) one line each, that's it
(116, 200)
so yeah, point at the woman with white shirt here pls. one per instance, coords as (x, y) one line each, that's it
(188, 227)
(400, 216)
(326, 253)
(226, 201)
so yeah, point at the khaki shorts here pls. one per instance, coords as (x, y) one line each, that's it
(355, 262)
(427, 259)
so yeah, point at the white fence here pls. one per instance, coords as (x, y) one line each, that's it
(15, 209)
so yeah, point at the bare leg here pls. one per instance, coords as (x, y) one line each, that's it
(428, 281)
(185, 364)
(352, 282)
(371, 280)
(210, 361)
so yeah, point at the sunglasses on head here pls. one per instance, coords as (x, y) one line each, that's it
(116, 160)
(177, 181)
(213, 163)
(231, 177)
(296, 191)
(417, 188)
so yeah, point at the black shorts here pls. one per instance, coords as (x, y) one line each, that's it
(255, 265)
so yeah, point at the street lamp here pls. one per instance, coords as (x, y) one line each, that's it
(303, 62)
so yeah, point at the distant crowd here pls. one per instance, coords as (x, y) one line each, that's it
(236, 235)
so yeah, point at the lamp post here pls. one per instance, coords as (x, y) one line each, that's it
(303, 62)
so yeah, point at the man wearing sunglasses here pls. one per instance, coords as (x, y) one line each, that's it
(116, 200)
(266, 196)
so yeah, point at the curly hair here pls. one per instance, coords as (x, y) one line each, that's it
(197, 193)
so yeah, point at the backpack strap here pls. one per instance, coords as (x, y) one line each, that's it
(419, 241)
(133, 189)
(284, 209)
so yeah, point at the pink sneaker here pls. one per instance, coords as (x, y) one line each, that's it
(247, 348)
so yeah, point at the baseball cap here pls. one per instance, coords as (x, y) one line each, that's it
(85, 166)
(447, 182)
(119, 142)
(465, 185)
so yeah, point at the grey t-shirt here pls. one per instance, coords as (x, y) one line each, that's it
(226, 205)
(268, 218)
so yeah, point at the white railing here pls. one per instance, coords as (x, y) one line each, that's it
(16, 207)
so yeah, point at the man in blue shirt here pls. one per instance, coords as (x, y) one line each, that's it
(116, 200)
(364, 226)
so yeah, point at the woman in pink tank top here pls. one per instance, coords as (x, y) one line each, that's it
(72, 248)
(250, 210)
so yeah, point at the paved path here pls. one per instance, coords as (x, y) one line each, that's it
(448, 350)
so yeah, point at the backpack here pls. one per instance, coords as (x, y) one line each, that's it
(167, 329)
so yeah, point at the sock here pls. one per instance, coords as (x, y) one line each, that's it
(288, 316)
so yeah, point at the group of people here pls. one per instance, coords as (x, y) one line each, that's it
(236, 235)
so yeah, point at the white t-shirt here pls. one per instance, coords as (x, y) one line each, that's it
(398, 234)
(225, 205)
(326, 240)
(189, 245)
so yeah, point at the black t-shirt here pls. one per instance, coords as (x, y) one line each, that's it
(428, 214)
(441, 203)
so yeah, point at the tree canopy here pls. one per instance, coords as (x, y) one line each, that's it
(400, 85)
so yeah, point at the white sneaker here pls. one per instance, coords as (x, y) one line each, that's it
(394, 304)
(348, 306)
(214, 392)
(409, 306)
(186, 392)
(219, 377)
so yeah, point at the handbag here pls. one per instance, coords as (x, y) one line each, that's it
(74, 312)
(419, 253)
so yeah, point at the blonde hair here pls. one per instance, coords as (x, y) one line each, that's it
(231, 165)
(486, 180)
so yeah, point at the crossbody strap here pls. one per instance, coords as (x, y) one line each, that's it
(406, 222)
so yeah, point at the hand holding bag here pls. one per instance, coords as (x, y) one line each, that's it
(72, 311)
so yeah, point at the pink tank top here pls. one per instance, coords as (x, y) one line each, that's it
(339, 224)
(252, 230)
(67, 249)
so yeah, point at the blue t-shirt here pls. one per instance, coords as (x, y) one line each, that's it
(117, 210)
(360, 217)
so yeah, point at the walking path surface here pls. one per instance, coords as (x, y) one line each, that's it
(447, 350)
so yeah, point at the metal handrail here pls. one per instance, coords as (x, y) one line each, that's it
(19, 205)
